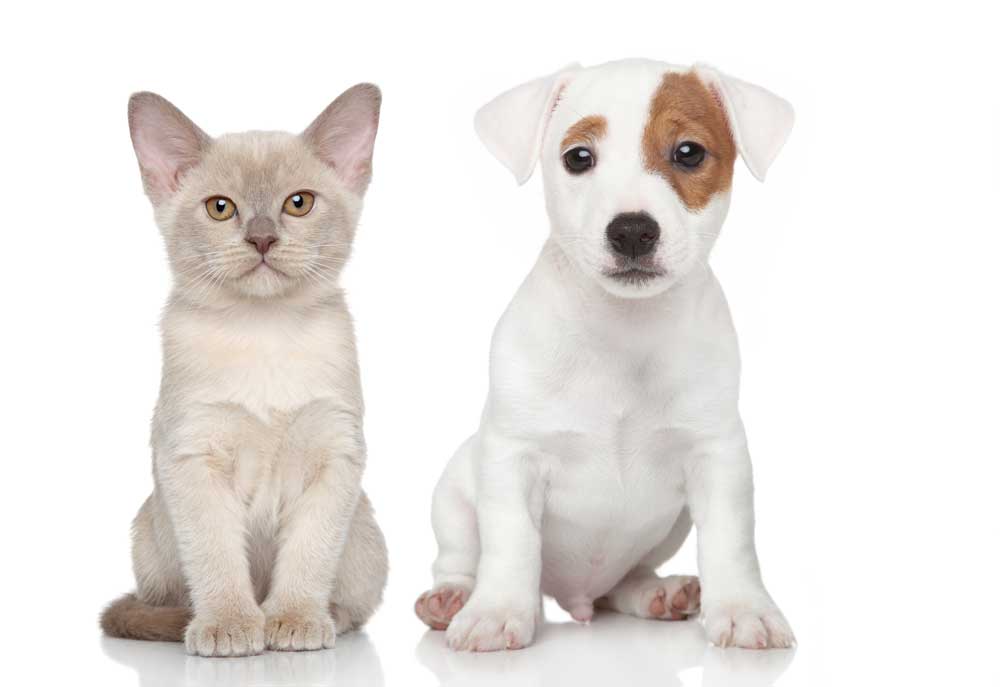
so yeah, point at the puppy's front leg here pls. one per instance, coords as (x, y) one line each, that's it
(736, 607)
(505, 605)
(330, 445)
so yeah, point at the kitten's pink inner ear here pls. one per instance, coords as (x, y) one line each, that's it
(343, 135)
(166, 143)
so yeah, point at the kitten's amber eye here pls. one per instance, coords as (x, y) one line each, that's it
(299, 204)
(220, 208)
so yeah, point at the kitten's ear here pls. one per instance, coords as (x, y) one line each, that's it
(166, 143)
(343, 135)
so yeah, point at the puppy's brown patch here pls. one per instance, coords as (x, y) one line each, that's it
(586, 131)
(684, 109)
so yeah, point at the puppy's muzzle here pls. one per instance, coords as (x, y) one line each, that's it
(633, 234)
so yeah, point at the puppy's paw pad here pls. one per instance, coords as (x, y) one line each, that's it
(492, 628)
(748, 626)
(439, 605)
(232, 635)
(673, 598)
(300, 630)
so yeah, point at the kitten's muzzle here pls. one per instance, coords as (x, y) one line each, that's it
(261, 233)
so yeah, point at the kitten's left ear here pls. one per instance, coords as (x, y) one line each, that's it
(166, 143)
(343, 135)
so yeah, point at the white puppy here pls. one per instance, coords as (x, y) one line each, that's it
(612, 423)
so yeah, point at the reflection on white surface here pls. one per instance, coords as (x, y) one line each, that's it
(613, 650)
(165, 664)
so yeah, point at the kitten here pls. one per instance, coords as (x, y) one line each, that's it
(257, 534)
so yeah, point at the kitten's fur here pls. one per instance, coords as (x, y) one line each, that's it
(257, 534)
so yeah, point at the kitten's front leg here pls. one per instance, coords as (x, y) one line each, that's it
(208, 519)
(330, 443)
(736, 607)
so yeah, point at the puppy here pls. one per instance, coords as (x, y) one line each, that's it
(611, 424)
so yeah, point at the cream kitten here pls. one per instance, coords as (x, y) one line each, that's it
(257, 534)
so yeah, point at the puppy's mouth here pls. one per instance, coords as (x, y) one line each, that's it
(634, 274)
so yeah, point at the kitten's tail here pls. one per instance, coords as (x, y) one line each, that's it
(130, 618)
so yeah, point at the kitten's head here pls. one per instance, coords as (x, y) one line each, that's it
(256, 215)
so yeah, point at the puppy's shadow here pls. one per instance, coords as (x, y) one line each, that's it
(165, 664)
(613, 650)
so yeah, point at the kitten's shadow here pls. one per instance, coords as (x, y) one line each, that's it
(165, 664)
(613, 650)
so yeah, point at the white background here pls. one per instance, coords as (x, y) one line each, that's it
(863, 277)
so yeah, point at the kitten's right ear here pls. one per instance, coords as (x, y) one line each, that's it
(166, 143)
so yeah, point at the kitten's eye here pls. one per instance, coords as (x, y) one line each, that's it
(689, 154)
(220, 208)
(578, 160)
(299, 204)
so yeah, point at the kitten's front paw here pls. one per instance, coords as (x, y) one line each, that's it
(484, 625)
(236, 634)
(750, 624)
(300, 629)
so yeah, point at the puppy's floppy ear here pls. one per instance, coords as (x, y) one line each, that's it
(760, 120)
(512, 125)
(167, 144)
(343, 135)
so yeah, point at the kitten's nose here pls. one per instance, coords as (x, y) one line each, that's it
(263, 243)
(260, 233)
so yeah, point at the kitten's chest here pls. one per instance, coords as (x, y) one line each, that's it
(264, 365)
(264, 382)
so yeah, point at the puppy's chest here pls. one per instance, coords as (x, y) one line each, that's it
(617, 411)
(609, 439)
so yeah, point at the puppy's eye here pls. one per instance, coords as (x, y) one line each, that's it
(220, 208)
(578, 160)
(299, 204)
(689, 154)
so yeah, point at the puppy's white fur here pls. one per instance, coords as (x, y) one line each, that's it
(611, 422)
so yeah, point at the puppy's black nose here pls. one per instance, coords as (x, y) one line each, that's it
(633, 234)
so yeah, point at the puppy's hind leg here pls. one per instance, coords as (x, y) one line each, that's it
(453, 515)
(644, 594)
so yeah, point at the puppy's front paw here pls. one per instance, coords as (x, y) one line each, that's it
(300, 629)
(493, 626)
(439, 605)
(236, 634)
(756, 624)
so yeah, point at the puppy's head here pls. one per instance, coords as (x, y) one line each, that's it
(637, 159)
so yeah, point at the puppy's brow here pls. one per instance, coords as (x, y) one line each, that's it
(590, 129)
